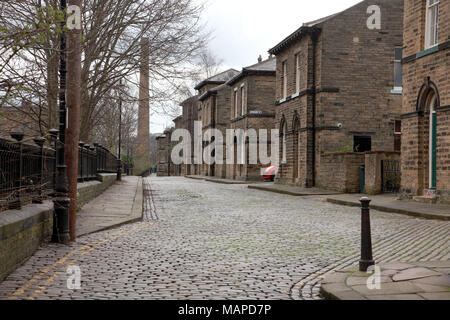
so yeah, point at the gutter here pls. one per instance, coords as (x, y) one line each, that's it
(314, 37)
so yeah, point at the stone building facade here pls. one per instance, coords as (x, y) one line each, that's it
(190, 109)
(426, 100)
(214, 113)
(335, 90)
(252, 94)
(177, 168)
(165, 167)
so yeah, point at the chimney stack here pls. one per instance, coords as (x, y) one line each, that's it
(259, 59)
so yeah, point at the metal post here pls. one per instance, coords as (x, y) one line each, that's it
(40, 142)
(366, 238)
(62, 201)
(16, 204)
(119, 162)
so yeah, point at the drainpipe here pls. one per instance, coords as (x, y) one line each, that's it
(314, 37)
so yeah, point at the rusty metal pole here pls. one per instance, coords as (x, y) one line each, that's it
(366, 237)
(73, 106)
(62, 202)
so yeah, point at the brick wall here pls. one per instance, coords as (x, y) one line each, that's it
(340, 172)
(425, 73)
(353, 82)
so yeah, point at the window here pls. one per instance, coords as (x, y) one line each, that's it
(284, 79)
(398, 81)
(242, 101)
(362, 144)
(432, 24)
(398, 135)
(284, 144)
(297, 72)
(235, 102)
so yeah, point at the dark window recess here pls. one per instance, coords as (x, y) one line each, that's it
(362, 144)
(398, 81)
(398, 143)
(398, 135)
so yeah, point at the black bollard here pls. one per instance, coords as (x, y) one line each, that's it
(366, 237)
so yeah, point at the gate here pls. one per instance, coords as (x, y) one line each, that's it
(390, 176)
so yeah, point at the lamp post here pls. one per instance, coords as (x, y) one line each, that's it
(40, 143)
(62, 201)
(54, 144)
(119, 161)
(16, 204)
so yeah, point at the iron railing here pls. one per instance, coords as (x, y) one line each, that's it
(27, 170)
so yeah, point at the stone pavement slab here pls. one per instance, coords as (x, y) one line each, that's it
(119, 204)
(292, 190)
(223, 181)
(396, 283)
(389, 203)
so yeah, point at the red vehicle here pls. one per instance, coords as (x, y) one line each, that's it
(268, 173)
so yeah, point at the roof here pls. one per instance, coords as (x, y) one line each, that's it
(178, 118)
(267, 67)
(218, 78)
(189, 100)
(212, 91)
(307, 28)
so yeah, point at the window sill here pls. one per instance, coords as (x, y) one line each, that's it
(428, 51)
(397, 91)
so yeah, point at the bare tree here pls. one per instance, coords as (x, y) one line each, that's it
(112, 30)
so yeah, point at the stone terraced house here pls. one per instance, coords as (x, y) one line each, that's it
(338, 97)
(426, 101)
(165, 167)
(190, 109)
(252, 94)
(213, 113)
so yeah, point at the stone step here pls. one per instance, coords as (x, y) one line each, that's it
(426, 199)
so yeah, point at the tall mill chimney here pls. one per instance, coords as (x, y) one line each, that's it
(142, 157)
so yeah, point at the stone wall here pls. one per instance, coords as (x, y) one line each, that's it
(23, 231)
(340, 172)
(425, 72)
(373, 173)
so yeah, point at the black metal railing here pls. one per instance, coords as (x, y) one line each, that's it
(26, 172)
(27, 169)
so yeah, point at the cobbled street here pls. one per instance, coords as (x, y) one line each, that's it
(202, 240)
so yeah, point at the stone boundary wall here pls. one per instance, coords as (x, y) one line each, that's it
(340, 171)
(23, 231)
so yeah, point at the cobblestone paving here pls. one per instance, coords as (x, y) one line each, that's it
(204, 240)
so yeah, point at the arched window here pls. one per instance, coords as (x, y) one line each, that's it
(283, 128)
(431, 104)
(427, 103)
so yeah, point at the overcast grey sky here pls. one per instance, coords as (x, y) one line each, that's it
(244, 29)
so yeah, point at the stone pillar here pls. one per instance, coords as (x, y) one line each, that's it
(142, 158)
